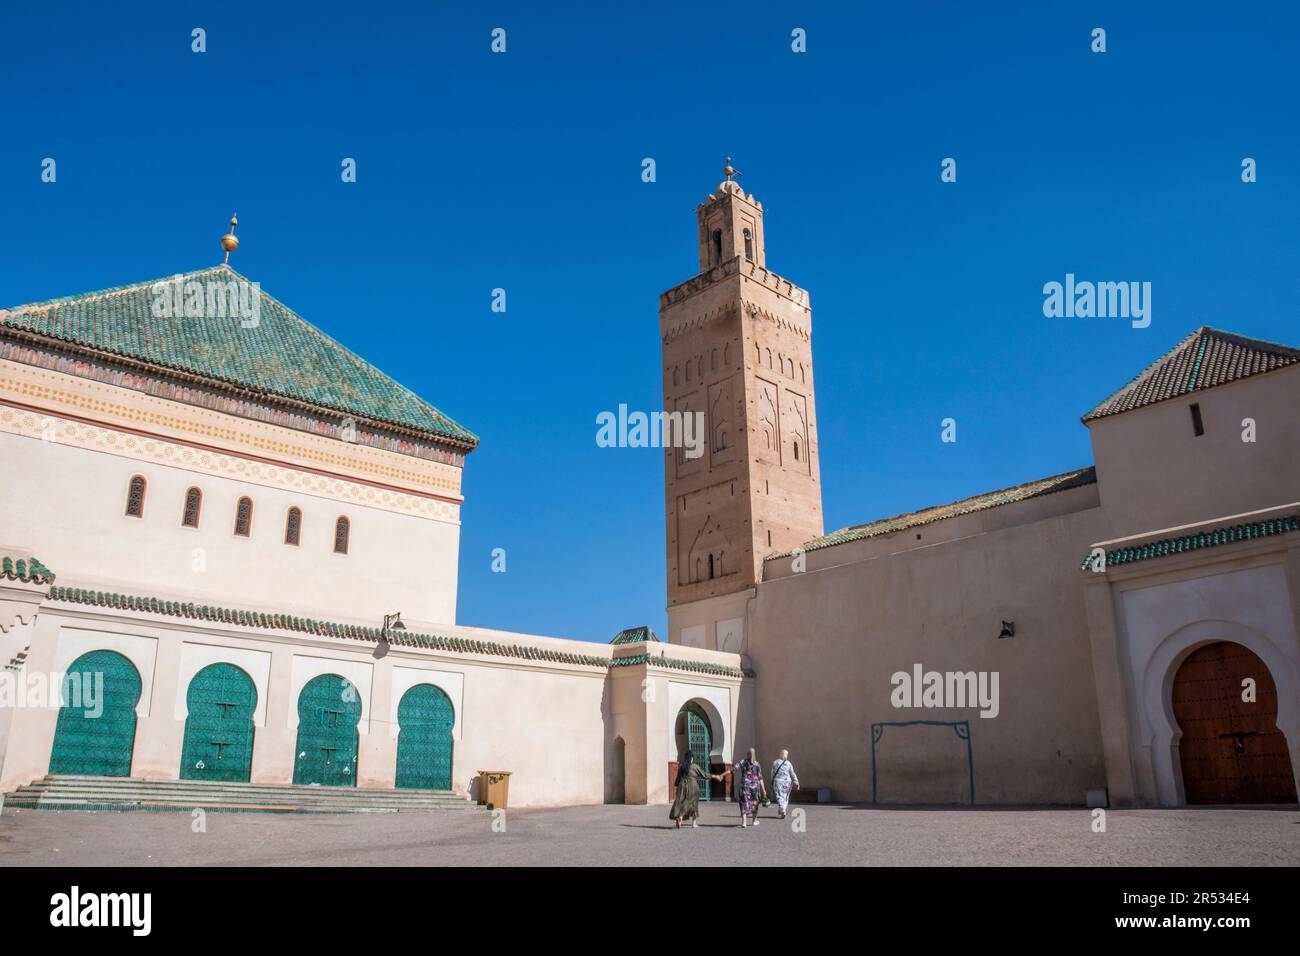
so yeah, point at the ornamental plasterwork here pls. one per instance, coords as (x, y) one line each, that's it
(111, 406)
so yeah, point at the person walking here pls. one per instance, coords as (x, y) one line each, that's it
(686, 805)
(784, 780)
(750, 774)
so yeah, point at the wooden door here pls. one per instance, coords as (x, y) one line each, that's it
(1231, 750)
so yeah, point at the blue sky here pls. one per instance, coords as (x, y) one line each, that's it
(522, 171)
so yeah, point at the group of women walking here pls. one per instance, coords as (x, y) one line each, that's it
(751, 788)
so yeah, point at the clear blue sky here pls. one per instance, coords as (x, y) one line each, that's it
(522, 171)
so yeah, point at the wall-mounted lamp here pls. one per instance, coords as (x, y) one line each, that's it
(1008, 629)
(392, 622)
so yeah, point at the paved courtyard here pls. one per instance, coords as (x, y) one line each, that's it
(618, 835)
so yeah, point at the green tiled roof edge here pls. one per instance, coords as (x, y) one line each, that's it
(26, 570)
(1130, 554)
(355, 632)
(1066, 481)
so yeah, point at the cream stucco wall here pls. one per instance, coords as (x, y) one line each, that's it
(77, 523)
(825, 643)
(1155, 472)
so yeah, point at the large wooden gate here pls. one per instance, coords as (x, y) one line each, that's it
(1231, 750)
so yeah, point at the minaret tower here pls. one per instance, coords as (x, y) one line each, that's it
(737, 346)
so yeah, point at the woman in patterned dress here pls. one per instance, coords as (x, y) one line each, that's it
(750, 774)
(686, 806)
(784, 779)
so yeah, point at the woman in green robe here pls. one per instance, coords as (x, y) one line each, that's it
(687, 804)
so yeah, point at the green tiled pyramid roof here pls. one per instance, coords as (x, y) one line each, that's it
(1206, 358)
(992, 499)
(280, 355)
(635, 635)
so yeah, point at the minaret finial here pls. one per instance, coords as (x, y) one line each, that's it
(729, 171)
(228, 241)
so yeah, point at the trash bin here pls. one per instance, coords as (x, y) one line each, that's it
(494, 788)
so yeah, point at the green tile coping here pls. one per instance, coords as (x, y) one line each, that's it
(916, 519)
(1265, 528)
(27, 570)
(355, 632)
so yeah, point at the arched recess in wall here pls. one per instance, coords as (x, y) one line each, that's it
(1156, 721)
(218, 743)
(616, 773)
(95, 731)
(698, 730)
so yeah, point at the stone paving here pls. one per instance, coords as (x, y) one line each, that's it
(832, 835)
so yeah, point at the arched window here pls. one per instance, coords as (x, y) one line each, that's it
(749, 244)
(796, 451)
(135, 498)
(293, 526)
(717, 246)
(769, 358)
(710, 567)
(244, 517)
(193, 502)
(341, 531)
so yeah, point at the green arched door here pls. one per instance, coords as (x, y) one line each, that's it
(425, 717)
(219, 728)
(700, 742)
(329, 709)
(95, 733)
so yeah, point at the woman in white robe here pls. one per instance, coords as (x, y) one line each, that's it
(784, 780)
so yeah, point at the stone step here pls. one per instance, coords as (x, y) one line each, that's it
(337, 794)
(127, 793)
(200, 799)
(242, 786)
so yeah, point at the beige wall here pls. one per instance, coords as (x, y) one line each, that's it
(825, 643)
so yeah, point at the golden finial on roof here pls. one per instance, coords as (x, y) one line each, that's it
(729, 171)
(228, 241)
